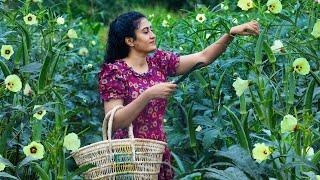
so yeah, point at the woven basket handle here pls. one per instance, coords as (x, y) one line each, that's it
(108, 119)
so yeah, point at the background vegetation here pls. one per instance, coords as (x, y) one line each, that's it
(212, 131)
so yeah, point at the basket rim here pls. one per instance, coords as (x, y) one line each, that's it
(115, 141)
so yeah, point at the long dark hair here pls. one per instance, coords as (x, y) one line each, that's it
(123, 26)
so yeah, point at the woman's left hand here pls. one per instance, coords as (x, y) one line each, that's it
(249, 28)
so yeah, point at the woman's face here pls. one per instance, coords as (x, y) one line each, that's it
(145, 38)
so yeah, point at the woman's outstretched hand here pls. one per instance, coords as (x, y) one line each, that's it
(249, 28)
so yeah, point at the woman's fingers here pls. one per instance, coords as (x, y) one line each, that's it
(252, 29)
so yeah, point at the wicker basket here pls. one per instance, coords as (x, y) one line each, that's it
(130, 158)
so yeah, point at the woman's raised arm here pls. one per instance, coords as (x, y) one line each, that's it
(210, 53)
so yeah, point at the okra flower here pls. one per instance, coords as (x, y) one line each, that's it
(34, 149)
(245, 5)
(301, 66)
(72, 34)
(6, 51)
(93, 42)
(277, 46)
(70, 45)
(60, 20)
(260, 152)
(274, 6)
(201, 18)
(39, 115)
(27, 90)
(89, 66)
(165, 23)
(288, 124)
(71, 142)
(310, 153)
(240, 86)
(199, 128)
(83, 51)
(2, 166)
(30, 19)
(13, 83)
(316, 29)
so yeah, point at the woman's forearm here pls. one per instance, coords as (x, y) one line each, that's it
(124, 117)
(216, 49)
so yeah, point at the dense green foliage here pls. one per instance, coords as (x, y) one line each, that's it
(211, 131)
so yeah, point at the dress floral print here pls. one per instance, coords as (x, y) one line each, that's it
(119, 81)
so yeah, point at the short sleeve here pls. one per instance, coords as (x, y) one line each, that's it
(167, 61)
(111, 83)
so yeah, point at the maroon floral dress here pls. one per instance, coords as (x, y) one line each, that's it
(119, 81)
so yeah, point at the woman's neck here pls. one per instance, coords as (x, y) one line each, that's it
(136, 59)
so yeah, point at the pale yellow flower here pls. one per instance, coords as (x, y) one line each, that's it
(89, 66)
(151, 16)
(70, 45)
(277, 46)
(240, 86)
(60, 20)
(181, 48)
(318, 176)
(224, 7)
(27, 90)
(168, 16)
(13, 83)
(288, 124)
(245, 5)
(260, 152)
(71, 142)
(301, 66)
(6, 51)
(34, 149)
(199, 128)
(274, 6)
(72, 34)
(316, 29)
(2, 166)
(208, 35)
(201, 18)
(30, 19)
(310, 153)
(83, 51)
(93, 42)
(165, 23)
(39, 115)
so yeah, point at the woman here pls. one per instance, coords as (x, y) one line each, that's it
(131, 78)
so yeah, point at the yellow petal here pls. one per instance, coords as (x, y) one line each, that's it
(6, 51)
(288, 124)
(245, 4)
(71, 142)
(13, 83)
(39, 114)
(260, 152)
(72, 34)
(274, 6)
(316, 29)
(240, 86)
(34, 149)
(301, 66)
(30, 19)
(201, 18)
